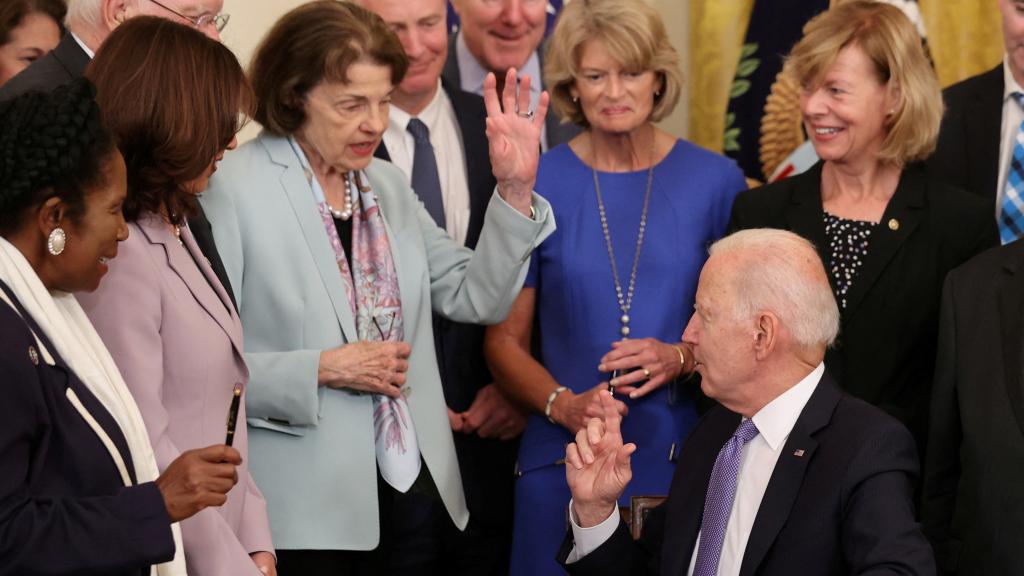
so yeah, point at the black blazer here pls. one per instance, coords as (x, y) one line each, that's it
(557, 132)
(67, 62)
(486, 465)
(63, 506)
(885, 353)
(842, 507)
(974, 473)
(967, 155)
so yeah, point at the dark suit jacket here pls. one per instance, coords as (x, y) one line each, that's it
(967, 155)
(885, 353)
(62, 65)
(974, 473)
(486, 465)
(557, 133)
(63, 506)
(843, 507)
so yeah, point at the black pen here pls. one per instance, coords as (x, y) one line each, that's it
(236, 401)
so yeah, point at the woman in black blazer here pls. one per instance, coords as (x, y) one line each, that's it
(887, 234)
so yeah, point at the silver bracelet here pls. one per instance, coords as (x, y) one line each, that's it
(551, 402)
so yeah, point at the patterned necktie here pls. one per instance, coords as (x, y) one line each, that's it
(425, 181)
(718, 503)
(1011, 213)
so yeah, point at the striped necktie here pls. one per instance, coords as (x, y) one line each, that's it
(1011, 212)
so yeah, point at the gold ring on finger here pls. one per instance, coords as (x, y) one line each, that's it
(647, 373)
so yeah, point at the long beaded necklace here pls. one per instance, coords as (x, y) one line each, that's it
(625, 303)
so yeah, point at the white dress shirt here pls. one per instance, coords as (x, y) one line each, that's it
(472, 75)
(445, 137)
(82, 45)
(757, 464)
(1013, 115)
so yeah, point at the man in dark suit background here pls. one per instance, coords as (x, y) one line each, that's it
(88, 24)
(982, 121)
(496, 35)
(973, 505)
(788, 475)
(486, 425)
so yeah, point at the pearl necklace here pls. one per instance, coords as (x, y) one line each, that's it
(345, 213)
(625, 303)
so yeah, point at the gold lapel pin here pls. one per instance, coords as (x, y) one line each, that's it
(894, 224)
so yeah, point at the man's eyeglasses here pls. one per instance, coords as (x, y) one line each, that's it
(218, 21)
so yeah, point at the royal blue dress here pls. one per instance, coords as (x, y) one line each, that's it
(578, 315)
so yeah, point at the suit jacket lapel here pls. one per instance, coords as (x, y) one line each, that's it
(191, 267)
(902, 215)
(71, 56)
(788, 475)
(1011, 306)
(983, 126)
(300, 195)
(805, 211)
(471, 117)
(683, 519)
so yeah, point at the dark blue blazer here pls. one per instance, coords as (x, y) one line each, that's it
(63, 506)
(843, 506)
(486, 465)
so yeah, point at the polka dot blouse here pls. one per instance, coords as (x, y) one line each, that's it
(848, 248)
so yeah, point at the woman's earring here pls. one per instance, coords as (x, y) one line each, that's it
(575, 99)
(56, 242)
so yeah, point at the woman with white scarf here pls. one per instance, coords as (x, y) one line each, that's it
(79, 487)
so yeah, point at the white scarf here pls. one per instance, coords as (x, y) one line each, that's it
(64, 322)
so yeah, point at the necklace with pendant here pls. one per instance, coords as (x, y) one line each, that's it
(625, 301)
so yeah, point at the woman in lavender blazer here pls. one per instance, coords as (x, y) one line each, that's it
(171, 97)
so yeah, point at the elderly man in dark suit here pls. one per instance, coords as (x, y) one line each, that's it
(498, 35)
(436, 135)
(788, 475)
(984, 121)
(973, 505)
(89, 22)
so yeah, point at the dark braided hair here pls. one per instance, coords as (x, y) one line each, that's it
(51, 144)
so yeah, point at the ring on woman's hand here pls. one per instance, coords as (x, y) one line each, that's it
(528, 114)
(647, 373)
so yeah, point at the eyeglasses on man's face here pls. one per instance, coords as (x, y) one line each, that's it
(218, 21)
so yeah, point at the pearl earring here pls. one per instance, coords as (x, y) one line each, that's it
(56, 241)
(575, 99)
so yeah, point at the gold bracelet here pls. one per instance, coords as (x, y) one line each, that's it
(682, 359)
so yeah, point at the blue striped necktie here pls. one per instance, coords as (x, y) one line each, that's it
(1011, 213)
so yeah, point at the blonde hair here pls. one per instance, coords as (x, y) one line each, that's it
(893, 45)
(632, 30)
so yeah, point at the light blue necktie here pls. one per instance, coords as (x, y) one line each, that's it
(718, 503)
(425, 181)
(1011, 213)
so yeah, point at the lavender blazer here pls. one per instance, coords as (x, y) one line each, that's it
(174, 334)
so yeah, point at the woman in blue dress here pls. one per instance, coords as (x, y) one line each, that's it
(636, 210)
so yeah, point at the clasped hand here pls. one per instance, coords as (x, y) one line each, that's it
(661, 361)
(373, 367)
(597, 465)
(513, 136)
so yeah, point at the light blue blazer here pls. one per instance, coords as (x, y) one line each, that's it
(312, 448)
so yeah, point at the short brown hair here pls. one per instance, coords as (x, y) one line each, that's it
(173, 99)
(315, 42)
(893, 45)
(12, 12)
(632, 30)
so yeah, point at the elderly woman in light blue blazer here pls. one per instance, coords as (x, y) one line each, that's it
(337, 267)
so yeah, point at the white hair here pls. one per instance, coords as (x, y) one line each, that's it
(84, 14)
(782, 273)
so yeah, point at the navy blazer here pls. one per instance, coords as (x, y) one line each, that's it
(967, 154)
(63, 506)
(486, 465)
(885, 352)
(840, 500)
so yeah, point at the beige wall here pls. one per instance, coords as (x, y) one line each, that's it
(250, 19)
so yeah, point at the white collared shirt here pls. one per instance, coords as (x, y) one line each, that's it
(757, 464)
(82, 45)
(445, 137)
(1013, 115)
(472, 75)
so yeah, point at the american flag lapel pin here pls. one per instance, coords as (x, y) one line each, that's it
(799, 453)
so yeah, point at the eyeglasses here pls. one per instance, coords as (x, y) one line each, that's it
(219, 21)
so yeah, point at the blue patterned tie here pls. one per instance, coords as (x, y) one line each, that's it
(718, 503)
(425, 181)
(1011, 213)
